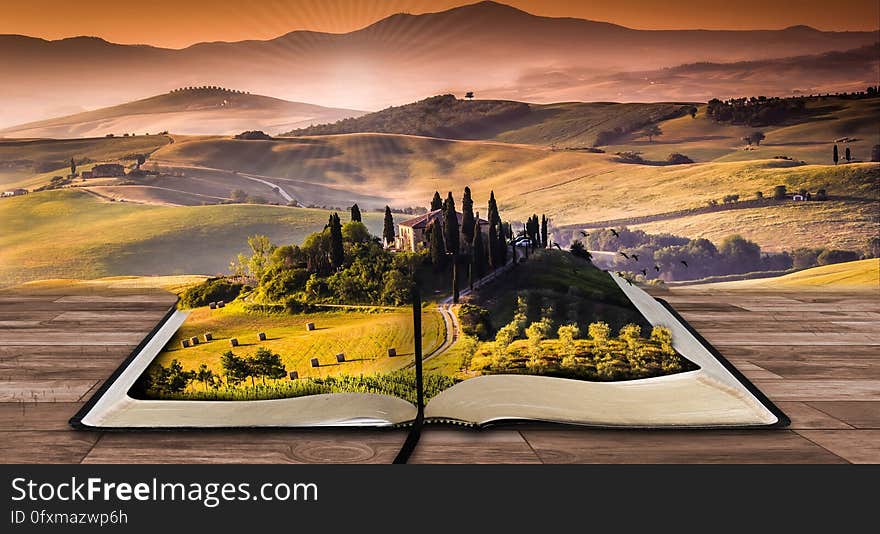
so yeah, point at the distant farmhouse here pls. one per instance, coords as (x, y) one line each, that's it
(412, 235)
(14, 193)
(105, 170)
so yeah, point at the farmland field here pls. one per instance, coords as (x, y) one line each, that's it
(70, 233)
(363, 336)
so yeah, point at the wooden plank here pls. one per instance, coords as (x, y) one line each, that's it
(859, 414)
(460, 445)
(249, 446)
(856, 446)
(44, 390)
(37, 415)
(804, 416)
(820, 390)
(48, 446)
(629, 446)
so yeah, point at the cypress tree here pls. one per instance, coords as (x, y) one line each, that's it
(388, 228)
(835, 156)
(467, 216)
(544, 241)
(72, 167)
(493, 246)
(438, 249)
(478, 258)
(450, 225)
(436, 202)
(355, 213)
(337, 250)
(494, 217)
(847, 155)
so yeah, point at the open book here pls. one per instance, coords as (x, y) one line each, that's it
(706, 391)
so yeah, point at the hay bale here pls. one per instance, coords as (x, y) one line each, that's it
(209, 337)
(194, 340)
(294, 375)
(310, 327)
(220, 304)
(314, 362)
(392, 352)
(184, 344)
(340, 358)
(261, 336)
(233, 342)
(212, 305)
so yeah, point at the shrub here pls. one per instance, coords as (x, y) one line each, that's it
(253, 135)
(829, 256)
(599, 331)
(474, 320)
(210, 290)
(678, 159)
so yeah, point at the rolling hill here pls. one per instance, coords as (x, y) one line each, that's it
(190, 111)
(567, 124)
(493, 49)
(72, 234)
(858, 276)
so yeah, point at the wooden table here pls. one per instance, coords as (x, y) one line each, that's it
(817, 355)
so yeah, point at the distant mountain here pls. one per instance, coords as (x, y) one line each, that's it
(567, 124)
(204, 110)
(489, 48)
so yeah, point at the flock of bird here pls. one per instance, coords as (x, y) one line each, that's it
(633, 257)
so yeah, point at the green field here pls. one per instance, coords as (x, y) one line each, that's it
(72, 234)
(364, 337)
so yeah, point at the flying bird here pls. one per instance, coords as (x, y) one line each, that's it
(613, 231)
(628, 281)
(620, 274)
(684, 263)
(624, 254)
(585, 234)
(557, 246)
(635, 257)
(657, 268)
(645, 273)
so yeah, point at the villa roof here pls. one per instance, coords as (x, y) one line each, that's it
(422, 221)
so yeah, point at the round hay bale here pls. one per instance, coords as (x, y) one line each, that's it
(310, 327)
(184, 344)
(194, 340)
(314, 362)
(392, 352)
(340, 358)
(294, 375)
(209, 336)
(261, 336)
(233, 342)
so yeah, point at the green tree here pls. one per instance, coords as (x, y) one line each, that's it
(436, 245)
(494, 258)
(653, 131)
(388, 227)
(494, 216)
(450, 226)
(261, 253)
(779, 192)
(140, 159)
(267, 364)
(436, 202)
(478, 257)
(631, 333)
(847, 155)
(599, 331)
(467, 217)
(234, 367)
(544, 240)
(337, 248)
(355, 213)
(205, 376)
(757, 137)
(72, 167)
(835, 156)
(238, 196)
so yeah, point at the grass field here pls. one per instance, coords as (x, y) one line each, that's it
(843, 225)
(364, 337)
(863, 275)
(72, 234)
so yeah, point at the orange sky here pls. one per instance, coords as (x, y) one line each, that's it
(178, 23)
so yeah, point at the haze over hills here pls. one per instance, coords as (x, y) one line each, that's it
(188, 111)
(487, 47)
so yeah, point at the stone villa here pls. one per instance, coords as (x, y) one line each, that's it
(412, 234)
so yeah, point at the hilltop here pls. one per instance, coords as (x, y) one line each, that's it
(190, 110)
(863, 275)
(570, 124)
